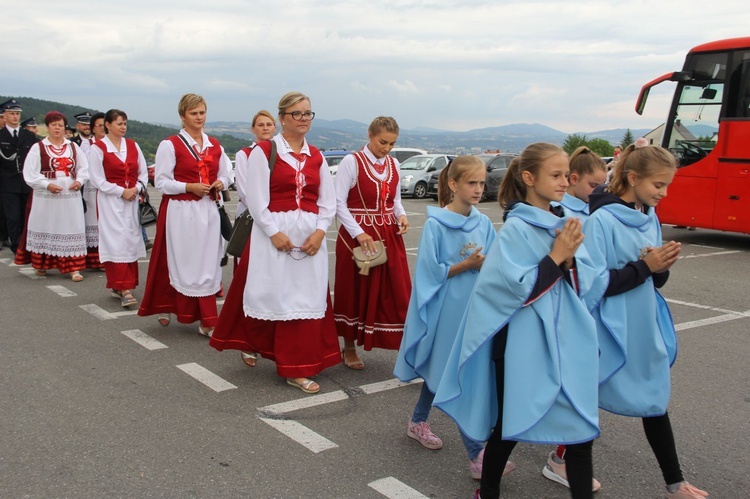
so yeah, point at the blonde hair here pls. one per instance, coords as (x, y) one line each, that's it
(382, 123)
(513, 188)
(456, 170)
(190, 101)
(264, 113)
(584, 161)
(289, 99)
(643, 161)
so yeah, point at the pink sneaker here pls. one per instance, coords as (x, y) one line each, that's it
(475, 466)
(422, 433)
(686, 491)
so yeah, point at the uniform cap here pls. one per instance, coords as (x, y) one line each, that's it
(10, 105)
(84, 118)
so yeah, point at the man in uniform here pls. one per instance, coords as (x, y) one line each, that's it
(4, 241)
(83, 126)
(32, 126)
(15, 143)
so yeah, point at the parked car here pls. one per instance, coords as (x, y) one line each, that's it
(497, 166)
(416, 171)
(333, 158)
(404, 153)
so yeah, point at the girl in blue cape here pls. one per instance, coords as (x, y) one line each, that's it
(448, 262)
(526, 359)
(587, 171)
(637, 338)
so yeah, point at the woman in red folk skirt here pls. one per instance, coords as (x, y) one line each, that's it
(184, 273)
(370, 310)
(279, 302)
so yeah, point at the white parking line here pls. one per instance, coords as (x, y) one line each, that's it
(6, 261)
(301, 434)
(305, 436)
(701, 306)
(295, 405)
(143, 339)
(395, 489)
(389, 384)
(711, 320)
(715, 253)
(30, 273)
(62, 291)
(206, 377)
(98, 312)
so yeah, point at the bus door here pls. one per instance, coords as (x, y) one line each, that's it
(733, 184)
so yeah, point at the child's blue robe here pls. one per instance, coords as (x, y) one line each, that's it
(637, 338)
(551, 358)
(437, 302)
(574, 207)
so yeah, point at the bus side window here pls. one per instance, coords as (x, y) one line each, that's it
(739, 103)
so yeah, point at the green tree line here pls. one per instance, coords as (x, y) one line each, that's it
(599, 146)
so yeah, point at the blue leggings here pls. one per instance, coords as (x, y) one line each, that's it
(422, 411)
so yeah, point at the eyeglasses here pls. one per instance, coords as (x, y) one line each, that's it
(298, 115)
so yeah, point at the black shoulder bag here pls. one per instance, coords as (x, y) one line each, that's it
(146, 213)
(243, 224)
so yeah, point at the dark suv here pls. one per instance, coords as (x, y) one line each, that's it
(497, 165)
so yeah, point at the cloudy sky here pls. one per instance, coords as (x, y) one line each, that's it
(449, 64)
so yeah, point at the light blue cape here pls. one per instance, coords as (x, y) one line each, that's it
(574, 207)
(551, 358)
(437, 302)
(637, 338)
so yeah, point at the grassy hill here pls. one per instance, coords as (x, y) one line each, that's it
(147, 135)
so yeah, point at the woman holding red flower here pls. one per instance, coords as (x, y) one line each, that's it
(184, 273)
(56, 232)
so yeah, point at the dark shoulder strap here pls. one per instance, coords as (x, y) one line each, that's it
(272, 158)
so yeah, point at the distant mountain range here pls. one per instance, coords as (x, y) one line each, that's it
(351, 135)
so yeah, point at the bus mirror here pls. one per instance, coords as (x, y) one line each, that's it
(681, 76)
(708, 94)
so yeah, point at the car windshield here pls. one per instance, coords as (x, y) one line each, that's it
(416, 163)
(333, 160)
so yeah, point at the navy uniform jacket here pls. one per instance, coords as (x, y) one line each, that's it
(11, 167)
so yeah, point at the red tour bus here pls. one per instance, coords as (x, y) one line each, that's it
(708, 130)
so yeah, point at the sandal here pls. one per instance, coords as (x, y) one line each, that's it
(356, 364)
(40, 272)
(164, 319)
(208, 331)
(128, 299)
(306, 385)
(76, 276)
(249, 359)
(116, 293)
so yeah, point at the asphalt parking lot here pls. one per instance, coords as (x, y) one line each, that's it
(98, 402)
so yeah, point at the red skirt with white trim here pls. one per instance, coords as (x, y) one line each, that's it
(300, 348)
(371, 310)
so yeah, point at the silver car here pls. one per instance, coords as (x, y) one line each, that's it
(416, 171)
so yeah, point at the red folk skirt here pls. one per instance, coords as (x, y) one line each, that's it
(160, 297)
(300, 348)
(371, 310)
(121, 275)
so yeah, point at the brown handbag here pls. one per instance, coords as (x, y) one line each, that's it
(363, 261)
